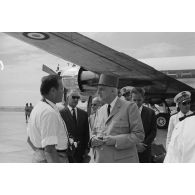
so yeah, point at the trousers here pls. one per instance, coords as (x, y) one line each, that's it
(39, 157)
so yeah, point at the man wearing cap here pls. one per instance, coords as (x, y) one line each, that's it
(182, 145)
(118, 126)
(182, 100)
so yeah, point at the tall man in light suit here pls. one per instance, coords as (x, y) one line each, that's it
(118, 127)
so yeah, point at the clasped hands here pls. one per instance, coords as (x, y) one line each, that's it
(141, 147)
(99, 141)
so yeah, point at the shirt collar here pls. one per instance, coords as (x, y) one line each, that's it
(140, 109)
(70, 108)
(51, 103)
(113, 103)
(181, 114)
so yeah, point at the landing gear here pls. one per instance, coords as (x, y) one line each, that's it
(162, 120)
(162, 117)
(89, 105)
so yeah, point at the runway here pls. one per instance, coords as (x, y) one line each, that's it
(13, 145)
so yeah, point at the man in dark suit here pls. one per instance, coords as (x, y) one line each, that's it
(149, 123)
(77, 124)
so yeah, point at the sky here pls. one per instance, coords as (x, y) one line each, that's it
(20, 79)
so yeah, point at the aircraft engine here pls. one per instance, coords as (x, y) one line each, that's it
(87, 81)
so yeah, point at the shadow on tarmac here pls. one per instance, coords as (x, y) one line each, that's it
(13, 136)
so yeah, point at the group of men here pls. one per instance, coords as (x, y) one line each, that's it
(118, 129)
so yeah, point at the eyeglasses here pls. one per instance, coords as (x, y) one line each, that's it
(93, 104)
(186, 103)
(75, 97)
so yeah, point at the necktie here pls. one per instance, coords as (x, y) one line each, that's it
(182, 118)
(108, 109)
(74, 116)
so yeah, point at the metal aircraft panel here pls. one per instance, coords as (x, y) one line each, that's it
(99, 58)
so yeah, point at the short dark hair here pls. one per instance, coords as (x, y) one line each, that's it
(137, 90)
(48, 82)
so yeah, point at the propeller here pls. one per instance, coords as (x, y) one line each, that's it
(48, 70)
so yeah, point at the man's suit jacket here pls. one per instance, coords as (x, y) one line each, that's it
(79, 132)
(149, 123)
(124, 123)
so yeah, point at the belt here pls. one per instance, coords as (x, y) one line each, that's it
(56, 150)
(62, 151)
(40, 148)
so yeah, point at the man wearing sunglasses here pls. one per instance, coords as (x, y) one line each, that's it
(183, 101)
(77, 124)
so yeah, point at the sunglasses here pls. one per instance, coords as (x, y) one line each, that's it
(75, 97)
(186, 103)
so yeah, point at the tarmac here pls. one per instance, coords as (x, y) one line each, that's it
(13, 145)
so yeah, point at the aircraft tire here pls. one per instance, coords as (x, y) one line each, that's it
(162, 120)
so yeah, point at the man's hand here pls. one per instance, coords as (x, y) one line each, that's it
(51, 154)
(141, 147)
(95, 142)
(109, 140)
(31, 144)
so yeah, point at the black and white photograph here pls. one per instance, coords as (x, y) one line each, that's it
(97, 97)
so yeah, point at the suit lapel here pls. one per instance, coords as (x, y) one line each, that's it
(143, 112)
(69, 114)
(115, 109)
(78, 116)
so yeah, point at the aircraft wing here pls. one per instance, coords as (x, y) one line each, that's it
(99, 58)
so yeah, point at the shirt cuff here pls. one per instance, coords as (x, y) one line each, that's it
(52, 140)
(90, 144)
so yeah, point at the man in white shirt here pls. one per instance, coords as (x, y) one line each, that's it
(183, 100)
(47, 133)
(182, 145)
(118, 126)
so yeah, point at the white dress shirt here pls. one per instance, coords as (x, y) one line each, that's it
(112, 104)
(140, 109)
(70, 108)
(46, 127)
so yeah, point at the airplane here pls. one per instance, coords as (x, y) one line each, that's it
(95, 58)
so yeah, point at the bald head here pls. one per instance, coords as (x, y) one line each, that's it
(96, 103)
